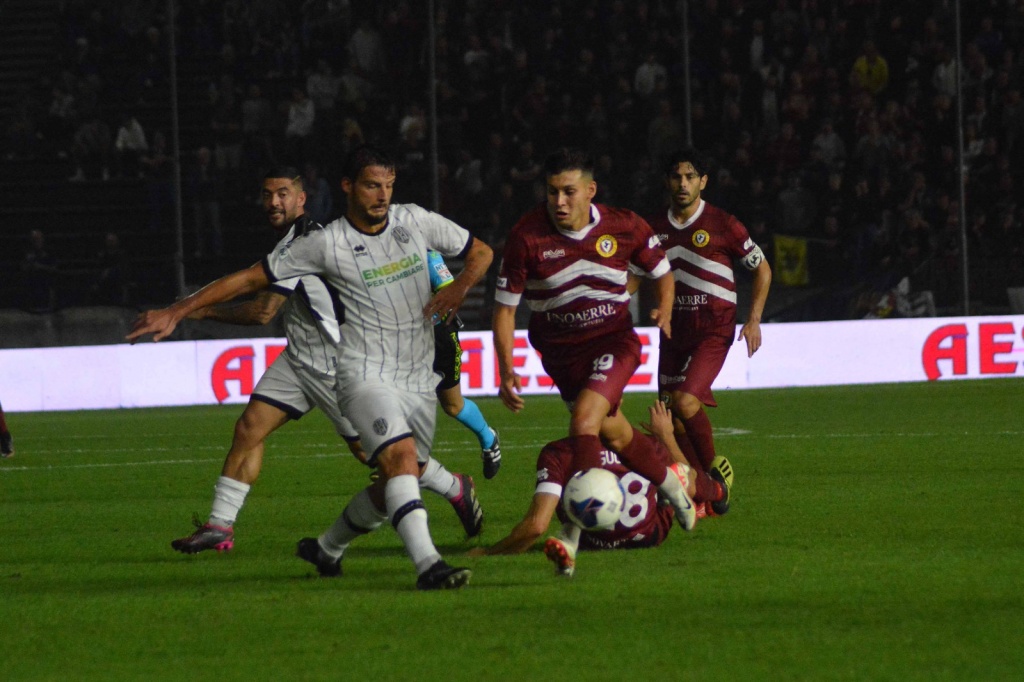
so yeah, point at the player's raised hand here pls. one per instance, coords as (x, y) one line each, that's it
(509, 390)
(751, 333)
(160, 323)
(660, 426)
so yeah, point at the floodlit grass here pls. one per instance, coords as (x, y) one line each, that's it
(876, 533)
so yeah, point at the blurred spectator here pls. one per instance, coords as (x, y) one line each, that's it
(870, 72)
(157, 166)
(319, 202)
(112, 282)
(204, 188)
(830, 146)
(91, 150)
(648, 75)
(129, 145)
(38, 276)
(299, 127)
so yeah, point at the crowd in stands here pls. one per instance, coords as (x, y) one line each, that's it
(834, 123)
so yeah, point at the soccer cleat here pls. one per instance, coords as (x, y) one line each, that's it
(309, 550)
(492, 457)
(724, 467)
(561, 555)
(467, 506)
(719, 507)
(686, 510)
(441, 576)
(206, 536)
(6, 445)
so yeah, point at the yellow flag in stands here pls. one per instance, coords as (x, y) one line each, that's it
(790, 267)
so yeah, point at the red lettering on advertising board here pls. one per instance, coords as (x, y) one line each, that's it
(473, 362)
(642, 378)
(234, 364)
(955, 350)
(988, 348)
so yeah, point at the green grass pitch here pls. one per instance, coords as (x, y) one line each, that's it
(876, 533)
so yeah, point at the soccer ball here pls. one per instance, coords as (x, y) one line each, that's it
(594, 499)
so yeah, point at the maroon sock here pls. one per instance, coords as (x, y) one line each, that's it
(708, 489)
(686, 445)
(646, 456)
(698, 428)
(3, 421)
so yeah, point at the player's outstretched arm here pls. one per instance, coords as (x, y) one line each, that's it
(527, 531)
(503, 326)
(160, 323)
(751, 331)
(447, 300)
(260, 310)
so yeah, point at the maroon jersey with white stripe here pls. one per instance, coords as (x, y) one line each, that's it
(701, 253)
(643, 522)
(575, 282)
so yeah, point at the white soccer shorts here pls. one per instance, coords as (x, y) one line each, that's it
(296, 389)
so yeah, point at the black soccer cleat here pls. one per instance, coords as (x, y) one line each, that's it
(309, 550)
(492, 457)
(441, 576)
(719, 507)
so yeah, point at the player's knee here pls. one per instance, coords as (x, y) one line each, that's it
(686, 405)
(399, 459)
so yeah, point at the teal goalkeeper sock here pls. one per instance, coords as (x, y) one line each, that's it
(473, 419)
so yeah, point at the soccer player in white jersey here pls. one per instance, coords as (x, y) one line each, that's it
(299, 379)
(374, 262)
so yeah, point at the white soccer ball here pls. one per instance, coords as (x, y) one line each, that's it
(594, 499)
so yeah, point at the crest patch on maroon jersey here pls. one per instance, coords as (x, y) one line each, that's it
(701, 239)
(607, 246)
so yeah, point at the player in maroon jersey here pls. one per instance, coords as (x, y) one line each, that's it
(570, 260)
(702, 242)
(645, 520)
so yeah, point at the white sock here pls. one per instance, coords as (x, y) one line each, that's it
(409, 517)
(228, 498)
(360, 517)
(436, 478)
(570, 536)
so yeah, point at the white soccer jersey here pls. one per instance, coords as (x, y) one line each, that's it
(310, 321)
(381, 284)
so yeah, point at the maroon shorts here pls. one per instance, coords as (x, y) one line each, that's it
(604, 365)
(692, 366)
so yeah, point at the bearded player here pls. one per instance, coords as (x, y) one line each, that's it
(702, 242)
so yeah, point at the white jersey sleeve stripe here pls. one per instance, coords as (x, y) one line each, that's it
(549, 488)
(507, 298)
